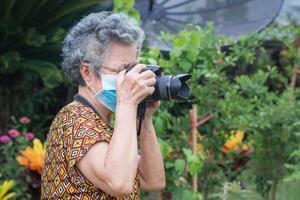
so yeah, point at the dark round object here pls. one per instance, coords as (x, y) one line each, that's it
(230, 17)
(169, 87)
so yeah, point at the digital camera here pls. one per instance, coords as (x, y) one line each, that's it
(169, 87)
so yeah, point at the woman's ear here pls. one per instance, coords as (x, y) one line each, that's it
(85, 72)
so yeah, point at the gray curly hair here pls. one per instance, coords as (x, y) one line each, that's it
(86, 42)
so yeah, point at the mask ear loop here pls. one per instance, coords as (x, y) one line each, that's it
(90, 86)
(99, 113)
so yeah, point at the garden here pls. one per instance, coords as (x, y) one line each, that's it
(237, 138)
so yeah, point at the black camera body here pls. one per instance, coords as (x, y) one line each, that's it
(169, 87)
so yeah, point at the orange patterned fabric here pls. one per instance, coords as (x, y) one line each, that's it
(73, 131)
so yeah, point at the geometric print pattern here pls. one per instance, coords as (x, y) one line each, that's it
(72, 133)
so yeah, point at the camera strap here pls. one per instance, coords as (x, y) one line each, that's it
(140, 115)
(85, 102)
(140, 111)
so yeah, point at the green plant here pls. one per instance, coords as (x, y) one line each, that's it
(11, 144)
(244, 89)
(30, 38)
(244, 85)
(294, 168)
(4, 190)
(127, 7)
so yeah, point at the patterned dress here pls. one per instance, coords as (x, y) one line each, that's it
(73, 131)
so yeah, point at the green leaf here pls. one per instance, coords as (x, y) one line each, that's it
(194, 165)
(164, 148)
(176, 52)
(9, 196)
(179, 166)
(48, 72)
(126, 6)
(185, 65)
(187, 195)
(192, 54)
(151, 61)
(154, 53)
(58, 35)
(34, 38)
(169, 164)
(9, 58)
(8, 62)
(194, 161)
(187, 152)
(158, 124)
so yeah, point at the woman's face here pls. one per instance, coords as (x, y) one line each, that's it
(119, 57)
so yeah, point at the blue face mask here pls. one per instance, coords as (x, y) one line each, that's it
(108, 95)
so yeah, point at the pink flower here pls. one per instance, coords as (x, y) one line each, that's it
(5, 139)
(29, 135)
(25, 120)
(13, 133)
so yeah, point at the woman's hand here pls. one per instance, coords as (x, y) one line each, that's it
(151, 108)
(135, 85)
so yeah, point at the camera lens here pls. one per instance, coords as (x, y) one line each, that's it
(169, 87)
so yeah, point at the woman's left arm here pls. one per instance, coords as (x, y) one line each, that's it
(151, 164)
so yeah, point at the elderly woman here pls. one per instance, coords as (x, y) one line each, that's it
(85, 157)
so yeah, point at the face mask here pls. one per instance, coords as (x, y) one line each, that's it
(108, 95)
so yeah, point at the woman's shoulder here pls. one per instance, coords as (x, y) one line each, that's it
(70, 113)
(76, 116)
(76, 111)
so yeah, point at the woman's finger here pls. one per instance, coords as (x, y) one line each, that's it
(147, 74)
(149, 82)
(121, 76)
(150, 90)
(137, 68)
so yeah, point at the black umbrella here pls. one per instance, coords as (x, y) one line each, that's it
(231, 17)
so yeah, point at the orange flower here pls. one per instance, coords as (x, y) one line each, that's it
(235, 143)
(33, 158)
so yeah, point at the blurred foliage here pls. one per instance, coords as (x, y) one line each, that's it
(10, 169)
(31, 34)
(4, 190)
(126, 7)
(294, 168)
(245, 86)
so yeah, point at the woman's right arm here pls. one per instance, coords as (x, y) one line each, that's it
(112, 167)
